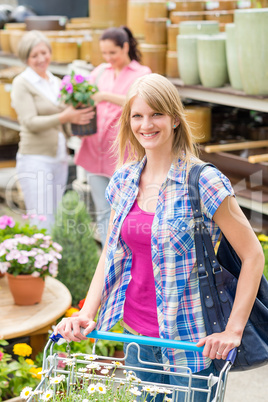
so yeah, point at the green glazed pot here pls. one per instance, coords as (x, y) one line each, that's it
(199, 27)
(232, 57)
(187, 59)
(212, 61)
(252, 42)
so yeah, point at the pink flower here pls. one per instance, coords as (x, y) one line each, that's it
(1, 355)
(33, 216)
(35, 274)
(79, 78)
(25, 216)
(69, 88)
(53, 269)
(23, 259)
(6, 221)
(13, 255)
(66, 79)
(4, 267)
(57, 246)
(42, 218)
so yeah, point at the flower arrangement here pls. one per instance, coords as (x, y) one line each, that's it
(76, 90)
(16, 374)
(98, 381)
(35, 255)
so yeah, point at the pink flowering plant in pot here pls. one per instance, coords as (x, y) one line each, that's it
(77, 91)
(27, 256)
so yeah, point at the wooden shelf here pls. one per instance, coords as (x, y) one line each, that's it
(223, 96)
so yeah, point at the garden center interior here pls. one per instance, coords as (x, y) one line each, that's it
(216, 55)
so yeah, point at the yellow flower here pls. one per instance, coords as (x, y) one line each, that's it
(30, 362)
(36, 372)
(71, 311)
(262, 237)
(22, 349)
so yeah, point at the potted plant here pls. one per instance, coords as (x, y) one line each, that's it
(27, 260)
(76, 90)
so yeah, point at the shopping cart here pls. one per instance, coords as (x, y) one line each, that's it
(91, 371)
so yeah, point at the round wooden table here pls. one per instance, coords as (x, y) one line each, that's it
(33, 321)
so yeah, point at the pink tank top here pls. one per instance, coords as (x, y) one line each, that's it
(140, 311)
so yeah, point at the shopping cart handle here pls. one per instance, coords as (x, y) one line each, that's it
(141, 340)
(232, 355)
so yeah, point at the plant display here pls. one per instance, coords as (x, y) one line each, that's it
(76, 90)
(15, 375)
(96, 381)
(9, 227)
(35, 255)
(80, 255)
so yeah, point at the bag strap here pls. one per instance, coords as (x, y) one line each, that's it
(210, 275)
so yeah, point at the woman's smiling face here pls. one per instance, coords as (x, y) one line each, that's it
(153, 130)
(39, 59)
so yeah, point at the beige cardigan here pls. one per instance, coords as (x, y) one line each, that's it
(38, 118)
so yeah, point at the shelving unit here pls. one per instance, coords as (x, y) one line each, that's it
(229, 97)
(222, 96)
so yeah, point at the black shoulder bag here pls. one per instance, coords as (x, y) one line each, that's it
(218, 277)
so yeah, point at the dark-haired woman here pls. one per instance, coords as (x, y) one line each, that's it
(119, 50)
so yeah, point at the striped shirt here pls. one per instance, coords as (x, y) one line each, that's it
(173, 255)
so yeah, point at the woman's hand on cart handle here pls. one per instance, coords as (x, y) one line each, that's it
(218, 345)
(70, 328)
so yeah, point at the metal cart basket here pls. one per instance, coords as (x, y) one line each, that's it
(91, 377)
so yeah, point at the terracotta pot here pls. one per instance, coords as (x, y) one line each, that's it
(156, 31)
(172, 33)
(199, 119)
(221, 5)
(221, 16)
(108, 13)
(2, 275)
(136, 17)
(178, 16)
(172, 69)
(190, 5)
(154, 56)
(251, 33)
(26, 289)
(156, 9)
(232, 57)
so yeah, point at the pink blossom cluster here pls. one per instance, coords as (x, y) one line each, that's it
(6, 221)
(37, 255)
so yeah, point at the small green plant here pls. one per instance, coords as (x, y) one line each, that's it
(73, 230)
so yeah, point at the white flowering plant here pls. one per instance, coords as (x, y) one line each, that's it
(95, 381)
(35, 255)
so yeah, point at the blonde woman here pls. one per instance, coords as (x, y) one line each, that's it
(42, 166)
(149, 279)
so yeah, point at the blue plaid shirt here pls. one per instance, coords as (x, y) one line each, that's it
(173, 255)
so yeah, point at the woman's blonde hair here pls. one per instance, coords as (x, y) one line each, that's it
(29, 41)
(163, 97)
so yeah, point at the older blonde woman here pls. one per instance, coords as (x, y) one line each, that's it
(42, 165)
